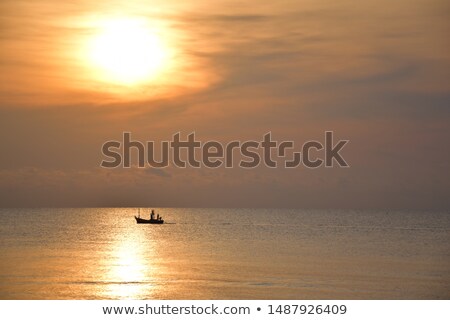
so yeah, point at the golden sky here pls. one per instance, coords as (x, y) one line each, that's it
(375, 72)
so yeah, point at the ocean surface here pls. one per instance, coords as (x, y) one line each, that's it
(224, 254)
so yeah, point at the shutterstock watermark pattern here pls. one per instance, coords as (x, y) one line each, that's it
(214, 154)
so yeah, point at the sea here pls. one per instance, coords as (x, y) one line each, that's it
(101, 253)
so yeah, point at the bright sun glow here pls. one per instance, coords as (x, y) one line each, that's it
(127, 51)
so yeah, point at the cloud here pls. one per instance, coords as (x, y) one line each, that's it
(376, 77)
(158, 172)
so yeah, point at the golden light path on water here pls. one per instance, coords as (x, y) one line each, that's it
(128, 269)
(132, 264)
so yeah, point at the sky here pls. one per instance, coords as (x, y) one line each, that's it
(376, 73)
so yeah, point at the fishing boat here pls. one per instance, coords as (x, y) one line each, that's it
(152, 219)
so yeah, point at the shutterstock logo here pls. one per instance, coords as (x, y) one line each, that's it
(213, 154)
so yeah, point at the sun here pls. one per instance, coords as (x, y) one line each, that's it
(127, 51)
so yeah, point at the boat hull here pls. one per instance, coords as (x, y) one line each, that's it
(151, 221)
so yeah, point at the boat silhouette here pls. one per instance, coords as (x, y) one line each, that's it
(152, 219)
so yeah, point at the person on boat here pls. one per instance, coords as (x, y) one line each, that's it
(152, 216)
(157, 217)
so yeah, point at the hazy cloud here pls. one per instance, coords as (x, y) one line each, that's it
(374, 72)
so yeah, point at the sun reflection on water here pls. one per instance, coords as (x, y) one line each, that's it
(132, 269)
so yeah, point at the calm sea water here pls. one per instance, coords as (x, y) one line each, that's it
(223, 254)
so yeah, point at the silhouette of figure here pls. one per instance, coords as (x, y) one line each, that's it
(152, 216)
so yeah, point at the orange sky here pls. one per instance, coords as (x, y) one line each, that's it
(374, 72)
